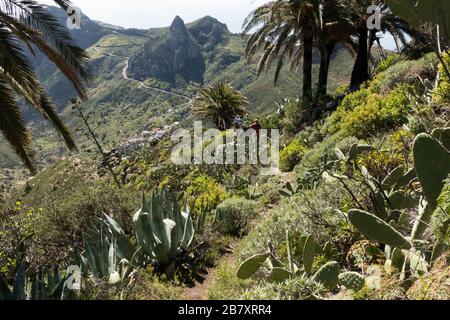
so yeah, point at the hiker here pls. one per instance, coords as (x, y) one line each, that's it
(256, 126)
(238, 122)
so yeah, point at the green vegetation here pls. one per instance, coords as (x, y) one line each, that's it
(291, 155)
(221, 104)
(359, 210)
(234, 216)
(19, 79)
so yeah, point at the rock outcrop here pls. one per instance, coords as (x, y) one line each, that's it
(176, 57)
(208, 32)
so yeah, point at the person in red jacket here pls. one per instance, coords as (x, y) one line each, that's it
(256, 126)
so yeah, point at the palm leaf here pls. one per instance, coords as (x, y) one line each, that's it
(54, 40)
(16, 70)
(13, 127)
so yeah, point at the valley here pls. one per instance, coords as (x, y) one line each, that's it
(297, 161)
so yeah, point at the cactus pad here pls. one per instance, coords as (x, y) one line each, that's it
(352, 280)
(308, 254)
(250, 266)
(328, 275)
(373, 228)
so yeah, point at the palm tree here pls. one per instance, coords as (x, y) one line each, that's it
(27, 25)
(335, 27)
(221, 103)
(286, 29)
(365, 38)
(291, 29)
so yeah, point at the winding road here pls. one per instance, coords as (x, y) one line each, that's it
(126, 77)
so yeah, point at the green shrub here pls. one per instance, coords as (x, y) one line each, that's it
(442, 92)
(299, 215)
(147, 286)
(233, 216)
(227, 286)
(61, 202)
(291, 155)
(342, 90)
(314, 155)
(311, 135)
(405, 72)
(269, 191)
(348, 104)
(388, 62)
(204, 194)
(376, 114)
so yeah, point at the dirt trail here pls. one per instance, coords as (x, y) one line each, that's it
(200, 291)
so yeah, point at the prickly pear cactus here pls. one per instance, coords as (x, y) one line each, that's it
(280, 275)
(328, 275)
(308, 254)
(352, 280)
(250, 266)
(373, 228)
(443, 135)
(301, 245)
(432, 164)
(398, 259)
(393, 177)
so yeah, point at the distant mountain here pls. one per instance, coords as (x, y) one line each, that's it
(143, 79)
(177, 55)
(209, 32)
(60, 88)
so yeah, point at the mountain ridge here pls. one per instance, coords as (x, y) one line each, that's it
(176, 55)
(119, 109)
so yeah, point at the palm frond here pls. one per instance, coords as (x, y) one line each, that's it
(220, 103)
(54, 40)
(18, 73)
(13, 128)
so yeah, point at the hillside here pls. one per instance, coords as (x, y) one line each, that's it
(119, 108)
(345, 197)
(337, 171)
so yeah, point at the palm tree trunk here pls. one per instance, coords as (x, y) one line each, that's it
(307, 67)
(325, 58)
(380, 47)
(360, 72)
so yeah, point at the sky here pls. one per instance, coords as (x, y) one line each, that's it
(145, 14)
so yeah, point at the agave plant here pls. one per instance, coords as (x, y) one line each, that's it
(163, 233)
(45, 284)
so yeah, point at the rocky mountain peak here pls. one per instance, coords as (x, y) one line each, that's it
(176, 55)
(208, 32)
(178, 25)
(178, 31)
(178, 28)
